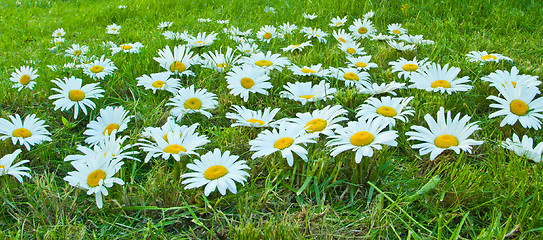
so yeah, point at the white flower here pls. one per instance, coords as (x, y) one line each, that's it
(299, 47)
(315, 33)
(386, 110)
(164, 25)
(351, 48)
(434, 78)
(159, 81)
(268, 61)
(219, 61)
(204, 20)
(341, 36)
(223, 21)
(396, 29)
(110, 119)
(188, 100)
(309, 16)
(519, 104)
(351, 76)
(59, 33)
(16, 170)
(269, 9)
(381, 37)
(374, 88)
(127, 48)
(113, 29)
(248, 79)
(72, 94)
(401, 46)
(248, 48)
(321, 121)
(484, 57)
(524, 147)
(174, 144)
(502, 77)
(406, 68)
(99, 69)
(251, 118)
(110, 144)
(24, 77)
(360, 62)
(337, 21)
(304, 92)
(362, 28)
(286, 29)
(313, 70)
(177, 62)
(76, 51)
(202, 39)
(266, 33)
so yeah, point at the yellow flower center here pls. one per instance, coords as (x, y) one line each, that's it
(222, 65)
(109, 129)
(487, 57)
(24, 80)
(362, 138)
(59, 34)
(215, 172)
(351, 50)
(283, 143)
(77, 52)
(446, 141)
(267, 35)
(76, 95)
(59, 43)
(252, 120)
(441, 83)
(174, 149)
(519, 107)
(339, 24)
(126, 47)
(158, 84)
(94, 177)
(362, 30)
(96, 69)
(2, 166)
(247, 83)
(178, 66)
(361, 64)
(247, 51)
(21, 132)
(200, 42)
(351, 76)
(114, 29)
(263, 63)
(396, 31)
(410, 67)
(193, 103)
(307, 96)
(315, 125)
(342, 40)
(307, 70)
(386, 111)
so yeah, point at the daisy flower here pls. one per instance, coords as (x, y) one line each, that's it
(309, 16)
(110, 119)
(223, 21)
(362, 28)
(434, 78)
(341, 36)
(169, 35)
(204, 20)
(362, 137)
(401, 46)
(381, 37)
(216, 170)
(248, 48)
(76, 51)
(519, 104)
(99, 69)
(219, 61)
(484, 57)
(386, 110)
(110, 145)
(315, 33)
(502, 77)
(286, 29)
(250, 118)
(235, 31)
(164, 25)
(266, 33)
(360, 62)
(267, 61)
(72, 94)
(313, 70)
(524, 147)
(286, 139)
(304, 92)
(337, 21)
(24, 77)
(396, 29)
(247, 79)
(202, 39)
(351, 48)
(170, 127)
(113, 29)
(445, 134)
(268, 9)
(29, 132)
(415, 39)
(16, 170)
(174, 144)
(127, 48)
(58, 33)
(406, 68)
(189, 100)
(351, 76)
(58, 41)
(95, 176)
(321, 121)
(159, 81)
(121, 6)
(178, 62)
(299, 47)
(373, 88)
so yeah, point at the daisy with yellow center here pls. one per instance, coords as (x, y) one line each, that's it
(315, 71)
(247, 48)
(503, 77)
(352, 48)
(525, 147)
(337, 21)
(309, 16)
(58, 33)
(76, 51)
(518, 104)
(110, 119)
(361, 137)
(341, 36)
(219, 61)
(351, 76)
(246, 80)
(299, 47)
(177, 62)
(251, 118)
(401, 46)
(385, 109)
(188, 100)
(16, 170)
(160, 81)
(321, 121)
(113, 29)
(266, 33)
(311, 33)
(435, 78)
(362, 28)
(286, 30)
(110, 144)
(127, 48)
(99, 69)
(175, 144)
(405, 68)
(444, 134)
(304, 92)
(24, 77)
(95, 176)
(484, 57)
(286, 139)
(267, 61)
(73, 94)
(396, 29)
(361, 62)
(202, 39)
(216, 170)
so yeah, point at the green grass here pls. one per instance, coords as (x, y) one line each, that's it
(397, 194)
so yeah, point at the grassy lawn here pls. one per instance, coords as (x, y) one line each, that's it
(490, 193)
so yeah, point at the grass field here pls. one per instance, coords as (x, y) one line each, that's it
(396, 194)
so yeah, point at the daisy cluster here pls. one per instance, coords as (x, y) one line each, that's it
(248, 71)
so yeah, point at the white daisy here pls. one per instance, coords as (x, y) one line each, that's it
(223, 21)
(174, 144)
(406, 68)
(434, 78)
(386, 110)
(313, 70)
(381, 37)
(362, 28)
(315, 33)
(360, 62)
(266, 33)
(341, 36)
(484, 57)
(24, 77)
(286, 29)
(76, 51)
(351, 76)
(502, 77)
(159, 81)
(164, 25)
(202, 39)
(519, 104)
(248, 48)
(299, 47)
(445, 134)
(99, 69)
(401, 46)
(247, 79)
(169, 35)
(415, 39)
(113, 29)
(524, 147)
(177, 62)
(250, 118)
(321, 121)
(72, 94)
(58, 33)
(219, 61)
(304, 92)
(235, 31)
(188, 100)
(374, 88)
(309, 16)
(29, 132)
(351, 48)
(396, 29)
(16, 170)
(58, 41)
(286, 139)
(170, 127)
(204, 20)
(361, 137)
(127, 48)
(268, 61)
(110, 145)
(110, 119)
(216, 171)
(337, 21)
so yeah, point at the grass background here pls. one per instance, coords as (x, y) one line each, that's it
(489, 194)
